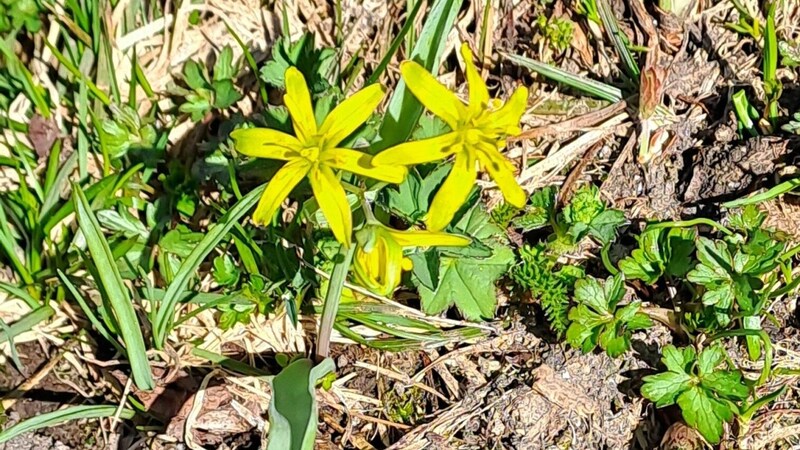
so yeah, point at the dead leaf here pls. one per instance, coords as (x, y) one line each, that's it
(42, 133)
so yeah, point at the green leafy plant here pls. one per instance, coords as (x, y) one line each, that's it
(208, 92)
(706, 394)
(539, 270)
(316, 64)
(661, 252)
(18, 14)
(463, 274)
(598, 319)
(127, 131)
(790, 53)
(537, 273)
(557, 31)
(793, 126)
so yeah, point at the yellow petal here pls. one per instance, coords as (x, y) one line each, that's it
(453, 193)
(436, 97)
(298, 102)
(379, 268)
(502, 172)
(333, 201)
(279, 188)
(362, 164)
(417, 152)
(350, 114)
(478, 93)
(508, 116)
(265, 143)
(428, 239)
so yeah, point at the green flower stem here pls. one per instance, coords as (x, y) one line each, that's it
(692, 223)
(607, 261)
(332, 297)
(761, 334)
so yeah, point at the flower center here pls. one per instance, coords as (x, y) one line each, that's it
(310, 153)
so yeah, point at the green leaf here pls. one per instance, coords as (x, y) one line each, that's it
(704, 413)
(588, 86)
(464, 277)
(225, 271)
(590, 292)
(224, 69)
(225, 94)
(293, 406)
(664, 388)
(604, 225)
(709, 359)
(468, 283)
(61, 416)
(595, 321)
(678, 360)
(195, 76)
(540, 212)
(411, 198)
(681, 247)
(114, 290)
(426, 268)
(726, 384)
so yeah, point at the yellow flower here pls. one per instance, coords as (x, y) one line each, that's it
(479, 130)
(378, 263)
(315, 153)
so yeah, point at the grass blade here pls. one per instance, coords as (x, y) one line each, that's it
(228, 363)
(779, 189)
(98, 325)
(26, 322)
(619, 39)
(54, 418)
(21, 293)
(404, 109)
(114, 289)
(772, 86)
(398, 40)
(166, 310)
(585, 85)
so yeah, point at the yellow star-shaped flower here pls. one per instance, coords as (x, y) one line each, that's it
(314, 153)
(479, 131)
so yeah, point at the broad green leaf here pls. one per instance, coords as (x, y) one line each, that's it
(726, 383)
(681, 247)
(678, 360)
(590, 292)
(225, 271)
(293, 406)
(224, 68)
(615, 344)
(61, 416)
(115, 292)
(664, 388)
(709, 359)
(404, 110)
(468, 283)
(703, 413)
(426, 268)
(604, 225)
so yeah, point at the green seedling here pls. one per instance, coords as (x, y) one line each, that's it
(598, 320)
(706, 394)
(203, 92)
